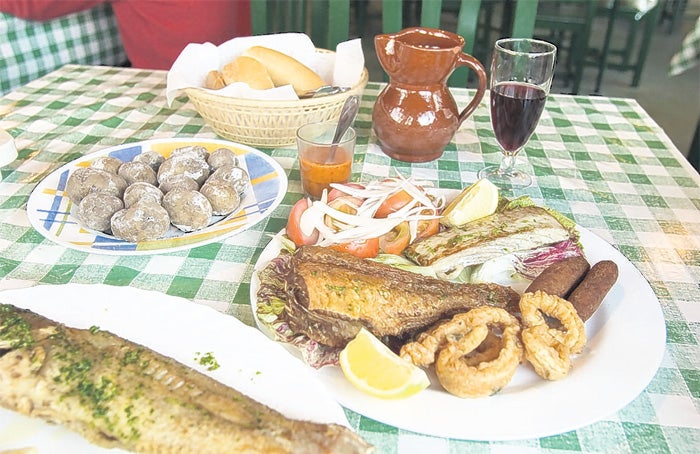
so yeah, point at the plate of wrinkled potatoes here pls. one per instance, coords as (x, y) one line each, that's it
(156, 196)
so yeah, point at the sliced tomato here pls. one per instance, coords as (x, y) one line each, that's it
(345, 204)
(395, 241)
(428, 228)
(293, 228)
(335, 193)
(393, 203)
(365, 249)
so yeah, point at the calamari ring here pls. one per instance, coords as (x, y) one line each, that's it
(534, 305)
(550, 358)
(487, 351)
(463, 379)
(421, 352)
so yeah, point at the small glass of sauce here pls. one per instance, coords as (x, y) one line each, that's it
(320, 163)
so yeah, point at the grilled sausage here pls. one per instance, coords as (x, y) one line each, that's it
(560, 277)
(588, 295)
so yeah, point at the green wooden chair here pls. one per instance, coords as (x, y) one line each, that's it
(567, 24)
(521, 23)
(327, 22)
(634, 53)
(521, 13)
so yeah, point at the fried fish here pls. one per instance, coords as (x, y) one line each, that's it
(118, 394)
(332, 294)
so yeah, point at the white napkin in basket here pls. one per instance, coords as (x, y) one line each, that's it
(344, 68)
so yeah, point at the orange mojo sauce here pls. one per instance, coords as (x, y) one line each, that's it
(317, 174)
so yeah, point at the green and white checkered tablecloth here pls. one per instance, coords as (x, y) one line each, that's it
(689, 54)
(603, 162)
(30, 49)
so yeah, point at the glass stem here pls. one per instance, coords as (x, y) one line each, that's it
(508, 163)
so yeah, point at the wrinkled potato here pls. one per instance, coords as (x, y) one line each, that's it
(188, 210)
(223, 197)
(89, 179)
(143, 221)
(96, 210)
(141, 190)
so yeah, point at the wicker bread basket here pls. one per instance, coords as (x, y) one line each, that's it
(265, 123)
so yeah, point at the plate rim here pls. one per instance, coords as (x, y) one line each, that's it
(32, 200)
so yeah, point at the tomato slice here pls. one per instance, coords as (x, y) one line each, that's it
(335, 193)
(393, 203)
(345, 204)
(294, 229)
(428, 228)
(365, 249)
(395, 241)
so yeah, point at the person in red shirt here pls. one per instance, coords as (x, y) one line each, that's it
(154, 32)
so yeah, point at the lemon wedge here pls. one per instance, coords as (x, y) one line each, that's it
(373, 368)
(474, 202)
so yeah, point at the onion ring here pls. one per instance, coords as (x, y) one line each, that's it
(549, 349)
(422, 351)
(550, 358)
(465, 378)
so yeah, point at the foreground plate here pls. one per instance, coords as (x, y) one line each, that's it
(177, 328)
(626, 342)
(51, 212)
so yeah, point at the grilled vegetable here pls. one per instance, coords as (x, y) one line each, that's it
(510, 231)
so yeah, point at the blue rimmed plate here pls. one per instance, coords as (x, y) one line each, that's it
(51, 213)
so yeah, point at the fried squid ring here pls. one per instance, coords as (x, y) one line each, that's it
(549, 349)
(422, 351)
(457, 369)
(550, 358)
(533, 308)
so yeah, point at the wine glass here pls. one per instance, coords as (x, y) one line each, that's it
(521, 76)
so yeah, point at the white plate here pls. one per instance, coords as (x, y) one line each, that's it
(177, 328)
(626, 342)
(51, 212)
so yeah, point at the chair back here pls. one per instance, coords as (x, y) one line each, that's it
(327, 22)
(522, 21)
(522, 24)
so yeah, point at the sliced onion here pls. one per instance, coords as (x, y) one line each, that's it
(344, 227)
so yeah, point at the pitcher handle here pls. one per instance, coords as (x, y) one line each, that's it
(476, 66)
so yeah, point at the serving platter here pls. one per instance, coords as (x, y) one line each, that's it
(52, 214)
(626, 342)
(177, 328)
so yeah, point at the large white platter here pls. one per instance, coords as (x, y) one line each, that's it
(177, 328)
(51, 213)
(626, 342)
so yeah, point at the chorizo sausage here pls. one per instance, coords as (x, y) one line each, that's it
(588, 295)
(560, 277)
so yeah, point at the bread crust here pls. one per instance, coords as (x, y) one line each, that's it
(285, 70)
(214, 80)
(248, 70)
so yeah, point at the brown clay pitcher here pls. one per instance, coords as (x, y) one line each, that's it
(416, 116)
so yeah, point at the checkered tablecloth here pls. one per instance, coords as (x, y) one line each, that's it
(603, 162)
(30, 49)
(689, 54)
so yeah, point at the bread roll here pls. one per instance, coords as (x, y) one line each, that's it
(285, 70)
(214, 80)
(248, 70)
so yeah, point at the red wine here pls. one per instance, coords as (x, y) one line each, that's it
(515, 110)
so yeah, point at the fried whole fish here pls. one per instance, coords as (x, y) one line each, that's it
(332, 294)
(118, 394)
